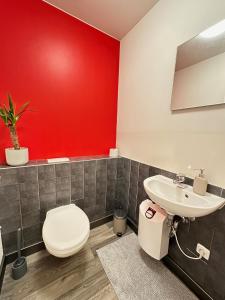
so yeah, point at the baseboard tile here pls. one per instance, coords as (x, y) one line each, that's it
(9, 258)
(101, 221)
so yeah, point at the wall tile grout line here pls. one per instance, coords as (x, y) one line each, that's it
(106, 190)
(136, 198)
(21, 216)
(70, 183)
(211, 242)
(95, 182)
(83, 177)
(39, 202)
(128, 188)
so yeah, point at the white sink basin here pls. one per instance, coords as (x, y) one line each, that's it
(178, 201)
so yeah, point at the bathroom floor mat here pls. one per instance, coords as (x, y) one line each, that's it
(135, 275)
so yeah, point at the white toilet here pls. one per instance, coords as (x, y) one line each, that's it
(66, 230)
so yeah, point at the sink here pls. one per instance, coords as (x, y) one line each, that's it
(177, 201)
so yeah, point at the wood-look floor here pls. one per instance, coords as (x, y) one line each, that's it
(78, 277)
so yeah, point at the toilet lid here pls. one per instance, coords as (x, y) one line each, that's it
(65, 227)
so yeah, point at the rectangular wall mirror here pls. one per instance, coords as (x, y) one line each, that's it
(199, 78)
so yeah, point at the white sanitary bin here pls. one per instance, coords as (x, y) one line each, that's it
(153, 231)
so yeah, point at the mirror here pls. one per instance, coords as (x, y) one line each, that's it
(199, 78)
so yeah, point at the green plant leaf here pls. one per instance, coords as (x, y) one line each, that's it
(11, 105)
(10, 118)
(23, 108)
(3, 115)
(9, 115)
(5, 108)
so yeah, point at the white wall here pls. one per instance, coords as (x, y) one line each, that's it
(200, 84)
(147, 130)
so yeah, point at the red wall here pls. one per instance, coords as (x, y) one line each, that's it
(69, 72)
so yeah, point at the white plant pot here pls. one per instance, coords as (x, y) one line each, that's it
(16, 157)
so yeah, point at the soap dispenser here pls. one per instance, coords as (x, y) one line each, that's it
(200, 183)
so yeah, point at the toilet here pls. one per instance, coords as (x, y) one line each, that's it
(65, 230)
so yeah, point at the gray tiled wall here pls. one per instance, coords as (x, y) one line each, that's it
(98, 186)
(209, 230)
(27, 193)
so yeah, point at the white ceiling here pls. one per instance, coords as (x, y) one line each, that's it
(114, 17)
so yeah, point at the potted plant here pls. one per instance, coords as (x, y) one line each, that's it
(17, 155)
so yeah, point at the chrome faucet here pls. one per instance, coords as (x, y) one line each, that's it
(179, 180)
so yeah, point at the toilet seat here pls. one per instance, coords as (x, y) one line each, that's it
(66, 230)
